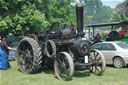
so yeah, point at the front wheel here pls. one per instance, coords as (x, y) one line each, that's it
(98, 62)
(64, 66)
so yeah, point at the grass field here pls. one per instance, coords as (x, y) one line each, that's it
(112, 76)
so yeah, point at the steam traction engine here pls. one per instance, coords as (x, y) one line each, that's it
(66, 50)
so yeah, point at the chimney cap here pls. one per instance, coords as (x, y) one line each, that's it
(79, 5)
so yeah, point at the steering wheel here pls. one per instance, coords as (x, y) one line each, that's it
(57, 26)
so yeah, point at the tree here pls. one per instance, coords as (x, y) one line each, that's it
(59, 10)
(98, 12)
(103, 14)
(17, 16)
(120, 13)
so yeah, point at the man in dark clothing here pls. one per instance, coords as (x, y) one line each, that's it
(113, 35)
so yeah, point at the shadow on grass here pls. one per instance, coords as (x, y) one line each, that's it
(38, 72)
(76, 73)
(81, 73)
(48, 70)
(10, 60)
(112, 66)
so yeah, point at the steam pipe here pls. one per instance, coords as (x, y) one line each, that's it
(79, 15)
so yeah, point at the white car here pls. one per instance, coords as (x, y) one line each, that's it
(115, 53)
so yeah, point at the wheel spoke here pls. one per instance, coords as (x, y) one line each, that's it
(20, 51)
(97, 69)
(95, 54)
(90, 59)
(21, 62)
(92, 69)
(27, 67)
(59, 60)
(99, 59)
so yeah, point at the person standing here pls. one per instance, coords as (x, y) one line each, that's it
(97, 37)
(122, 33)
(4, 51)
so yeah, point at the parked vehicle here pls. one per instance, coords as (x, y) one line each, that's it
(115, 53)
(13, 40)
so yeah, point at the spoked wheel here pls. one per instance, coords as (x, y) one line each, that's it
(64, 66)
(29, 56)
(98, 62)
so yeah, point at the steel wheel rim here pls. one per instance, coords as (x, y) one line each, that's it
(63, 66)
(25, 54)
(97, 66)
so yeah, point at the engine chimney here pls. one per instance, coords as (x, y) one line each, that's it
(79, 15)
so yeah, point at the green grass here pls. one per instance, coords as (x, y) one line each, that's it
(112, 76)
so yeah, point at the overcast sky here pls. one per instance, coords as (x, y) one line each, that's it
(111, 3)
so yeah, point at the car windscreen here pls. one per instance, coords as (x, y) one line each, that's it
(123, 45)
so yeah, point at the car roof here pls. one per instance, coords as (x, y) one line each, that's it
(112, 42)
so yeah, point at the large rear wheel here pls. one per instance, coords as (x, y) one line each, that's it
(64, 66)
(29, 55)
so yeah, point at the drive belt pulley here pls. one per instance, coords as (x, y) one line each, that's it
(50, 48)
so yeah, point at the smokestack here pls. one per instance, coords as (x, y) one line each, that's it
(79, 15)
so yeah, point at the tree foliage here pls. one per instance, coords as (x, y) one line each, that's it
(17, 16)
(120, 13)
(99, 13)
(59, 10)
